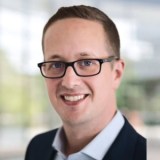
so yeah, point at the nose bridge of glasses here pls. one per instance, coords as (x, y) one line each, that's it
(70, 64)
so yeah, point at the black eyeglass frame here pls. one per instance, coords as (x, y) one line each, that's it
(67, 64)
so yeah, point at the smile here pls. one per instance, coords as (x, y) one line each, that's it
(74, 98)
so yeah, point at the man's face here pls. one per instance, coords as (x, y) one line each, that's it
(80, 100)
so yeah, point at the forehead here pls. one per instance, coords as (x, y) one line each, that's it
(74, 35)
(76, 25)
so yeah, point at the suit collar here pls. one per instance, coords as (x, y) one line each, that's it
(124, 145)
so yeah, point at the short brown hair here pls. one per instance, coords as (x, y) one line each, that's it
(89, 13)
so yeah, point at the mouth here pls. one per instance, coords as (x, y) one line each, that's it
(74, 98)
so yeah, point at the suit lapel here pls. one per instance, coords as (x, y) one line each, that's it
(124, 146)
(51, 154)
(51, 151)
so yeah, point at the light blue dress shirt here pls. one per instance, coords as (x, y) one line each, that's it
(97, 148)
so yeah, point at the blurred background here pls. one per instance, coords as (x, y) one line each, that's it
(24, 106)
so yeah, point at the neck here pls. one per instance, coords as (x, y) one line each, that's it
(78, 143)
(78, 136)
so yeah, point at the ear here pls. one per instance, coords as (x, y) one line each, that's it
(118, 69)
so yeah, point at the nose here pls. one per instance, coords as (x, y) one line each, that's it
(70, 79)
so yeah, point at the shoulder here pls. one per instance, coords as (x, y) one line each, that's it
(128, 145)
(139, 143)
(133, 141)
(40, 145)
(132, 133)
(44, 137)
(132, 136)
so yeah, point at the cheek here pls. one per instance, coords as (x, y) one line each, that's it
(105, 79)
(105, 88)
(101, 85)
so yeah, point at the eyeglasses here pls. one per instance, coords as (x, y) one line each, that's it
(82, 68)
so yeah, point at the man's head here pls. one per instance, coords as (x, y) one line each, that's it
(77, 99)
(89, 13)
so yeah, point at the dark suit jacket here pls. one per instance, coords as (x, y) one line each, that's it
(128, 145)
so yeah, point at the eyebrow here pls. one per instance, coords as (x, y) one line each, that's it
(84, 54)
(55, 56)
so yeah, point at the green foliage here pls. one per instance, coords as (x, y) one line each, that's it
(136, 94)
(21, 96)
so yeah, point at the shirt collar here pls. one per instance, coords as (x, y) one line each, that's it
(58, 142)
(98, 147)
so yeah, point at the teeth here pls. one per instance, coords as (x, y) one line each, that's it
(73, 98)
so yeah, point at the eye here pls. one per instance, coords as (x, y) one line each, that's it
(86, 62)
(56, 65)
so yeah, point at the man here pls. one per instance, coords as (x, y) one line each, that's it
(83, 69)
